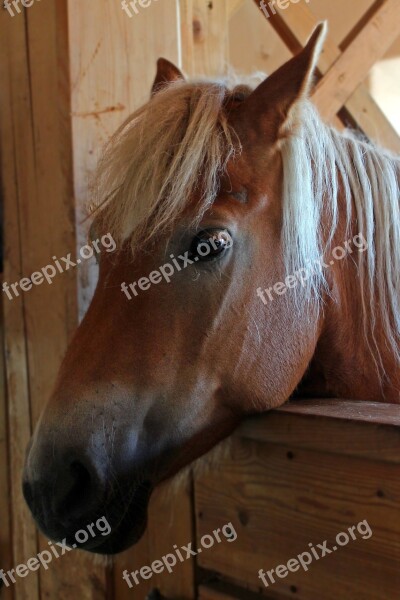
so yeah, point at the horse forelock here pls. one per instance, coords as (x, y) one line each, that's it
(175, 146)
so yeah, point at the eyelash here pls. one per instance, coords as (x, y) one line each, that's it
(215, 243)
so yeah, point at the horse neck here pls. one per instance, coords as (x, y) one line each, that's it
(349, 363)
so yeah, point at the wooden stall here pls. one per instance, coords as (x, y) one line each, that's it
(70, 72)
(297, 477)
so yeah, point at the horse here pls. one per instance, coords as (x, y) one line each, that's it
(258, 257)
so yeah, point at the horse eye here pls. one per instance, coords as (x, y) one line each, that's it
(209, 244)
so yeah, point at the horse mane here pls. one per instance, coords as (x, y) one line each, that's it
(323, 169)
(178, 145)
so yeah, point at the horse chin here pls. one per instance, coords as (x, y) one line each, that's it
(130, 527)
(125, 530)
(120, 540)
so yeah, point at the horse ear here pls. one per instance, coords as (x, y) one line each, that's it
(272, 101)
(167, 72)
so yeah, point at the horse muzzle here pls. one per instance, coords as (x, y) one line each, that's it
(70, 487)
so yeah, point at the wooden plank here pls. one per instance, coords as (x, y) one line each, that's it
(334, 13)
(363, 20)
(12, 57)
(113, 64)
(354, 64)
(47, 223)
(294, 26)
(263, 51)
(327, 432)
(353, 410)
(112, 68)
(38, 225)
(221, 590)
(280, 501)
(207, 593)
(370, 118)
(233, 6)
(48, 230)
(5, 504)
(169, 523)
(204, 37)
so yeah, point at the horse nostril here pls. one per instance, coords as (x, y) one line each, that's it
(75, 490)
(65, 493)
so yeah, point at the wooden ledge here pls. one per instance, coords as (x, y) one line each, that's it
(350, 410)
(363, 429)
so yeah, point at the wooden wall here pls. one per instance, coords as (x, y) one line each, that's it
(112, 62)
(36, 153)
(295, 478)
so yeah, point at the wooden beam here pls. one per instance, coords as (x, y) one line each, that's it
(221, 590)
(39, 224)
(353, 66)
(204, 35)
(294, 26)
(113, 65)
(233, 6)
(280, 497)
(6, 553)
(379, 413)
(15, 107)
(363, 429)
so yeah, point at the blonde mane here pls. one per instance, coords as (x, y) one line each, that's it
(178, 145)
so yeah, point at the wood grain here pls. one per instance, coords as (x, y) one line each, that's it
(354, 64)
(39, 224)
(170, 523)
(349, 410)
(14, 108)
(204, 35)
(295, 26)
(5, 504)
(113, 61)
(112, 66)
(328, 433)
(281, 498)
(221, 590)
(233, 6)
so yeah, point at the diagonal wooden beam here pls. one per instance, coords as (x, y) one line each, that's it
(354, 64)
(294, 27)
